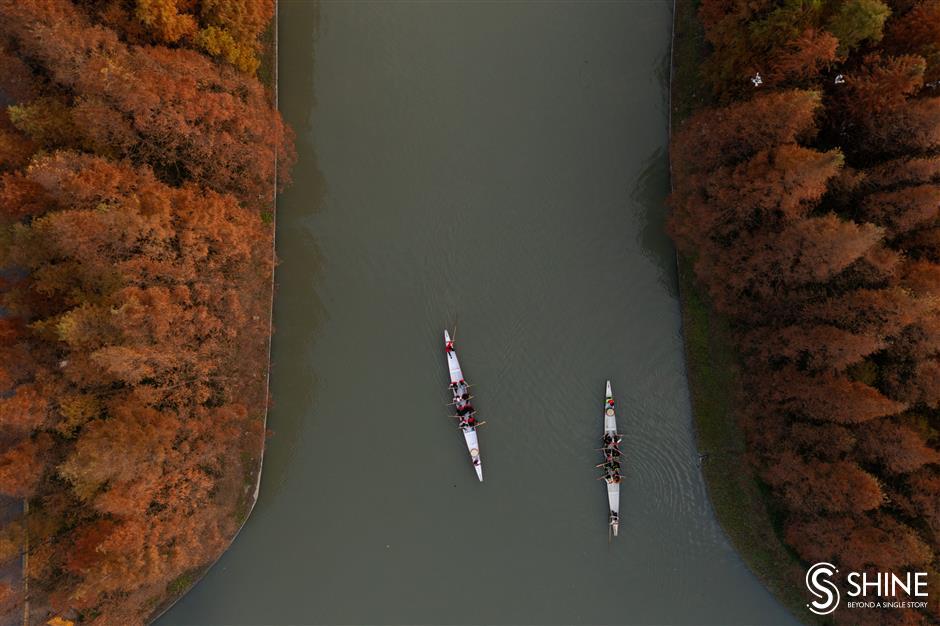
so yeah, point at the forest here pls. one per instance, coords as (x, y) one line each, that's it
(807, 202)
(140, 152)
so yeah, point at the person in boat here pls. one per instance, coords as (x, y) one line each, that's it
(449, 346)
(611, 453)
(612, 466)
(465, 395)
(471, 421)
(614, 478)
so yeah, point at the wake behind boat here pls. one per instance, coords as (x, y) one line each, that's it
(461, 401)
(611, 449)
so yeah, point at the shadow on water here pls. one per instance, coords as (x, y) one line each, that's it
(292, 366)
(649, 192)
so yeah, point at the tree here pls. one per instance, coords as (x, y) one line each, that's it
(828, 442)
(903, 210)
(766, 266)
(924, 485)
(801, 59)
(148, 103)
(756, 195)
(821, 347)
(904, 171)
(827, 397)
(24, 411)
(918, 31)
(164, 20)
(880, 85)
(858, 20)
(858, 542)
(896, 446)
(726, 135)
(885, 311)
(23, 466)
(822, 487)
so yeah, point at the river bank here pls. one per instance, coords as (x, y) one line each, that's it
(736, 493)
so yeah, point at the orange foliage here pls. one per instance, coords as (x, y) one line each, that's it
(814, 226)
(132, 171)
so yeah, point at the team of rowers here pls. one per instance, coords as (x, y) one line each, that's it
(611, 450)
(465, 410)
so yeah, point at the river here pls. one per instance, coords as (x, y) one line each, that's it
(501, 167)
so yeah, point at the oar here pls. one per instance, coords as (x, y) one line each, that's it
(600, 465)
(452, 402)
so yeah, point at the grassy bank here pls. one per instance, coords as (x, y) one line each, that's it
(740, 501)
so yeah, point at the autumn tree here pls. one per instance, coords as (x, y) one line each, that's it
(858, 20)
(117, 88)
(918, 31)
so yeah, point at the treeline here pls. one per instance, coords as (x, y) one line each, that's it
(809, 205)
(138, 160)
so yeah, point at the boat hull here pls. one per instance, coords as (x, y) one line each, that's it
(613, 489)
(473, 446)
(458, 388)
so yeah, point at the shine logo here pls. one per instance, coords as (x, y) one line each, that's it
(823, 589)
(866, 590)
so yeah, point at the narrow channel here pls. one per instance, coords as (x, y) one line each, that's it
(500, 167)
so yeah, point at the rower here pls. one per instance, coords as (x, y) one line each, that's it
(449, 346)
(471, 421)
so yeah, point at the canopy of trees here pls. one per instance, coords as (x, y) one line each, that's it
(810, 207)
(139, 157)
